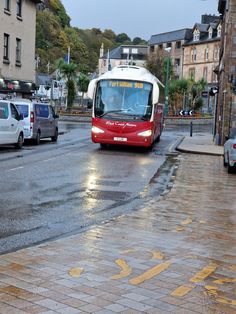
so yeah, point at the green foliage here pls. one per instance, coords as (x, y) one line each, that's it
(54, 35)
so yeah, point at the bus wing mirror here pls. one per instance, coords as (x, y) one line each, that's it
(155, 96)
(91, 88)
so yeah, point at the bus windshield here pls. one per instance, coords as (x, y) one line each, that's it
(123, 99)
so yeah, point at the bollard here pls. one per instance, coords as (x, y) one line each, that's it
(191, 129)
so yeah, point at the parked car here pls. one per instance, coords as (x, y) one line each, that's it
(40, 120)
(230, 154)
(11, 124)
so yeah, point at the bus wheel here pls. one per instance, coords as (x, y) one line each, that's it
(103, 146)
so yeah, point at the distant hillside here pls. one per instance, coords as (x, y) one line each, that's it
(54, 35)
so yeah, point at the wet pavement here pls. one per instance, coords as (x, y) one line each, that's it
(175, 254)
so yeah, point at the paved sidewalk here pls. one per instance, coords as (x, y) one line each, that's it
(176, 254)
(201, 143)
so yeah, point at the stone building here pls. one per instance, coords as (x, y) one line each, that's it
(17, 54)
(226, 105)
(124, 54)
(172, 41)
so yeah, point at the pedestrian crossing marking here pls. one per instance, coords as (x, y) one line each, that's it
(181, 291)
(149, 274)
(125, 269)
(204, 273)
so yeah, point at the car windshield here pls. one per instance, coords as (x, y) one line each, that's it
(23, 109)
(124, 99)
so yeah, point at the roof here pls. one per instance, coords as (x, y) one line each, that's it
(117, 52)
(202, 27)
(181, 34)
(130, 73)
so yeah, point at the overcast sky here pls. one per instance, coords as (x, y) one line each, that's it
(138, 18)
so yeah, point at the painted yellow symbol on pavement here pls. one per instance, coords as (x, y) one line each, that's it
(128, 251)
(125, 269)
(226, 301)
(202, 221)
(179, 229)
(158, 255)
(75, 272)
(181, 291)
(204, 273)
(187, 221)
(213, 290)
(224, 280)
(152, 272)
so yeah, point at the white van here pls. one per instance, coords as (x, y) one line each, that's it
(40, 120)
(11, 125)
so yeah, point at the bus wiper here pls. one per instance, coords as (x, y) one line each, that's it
(111, 111)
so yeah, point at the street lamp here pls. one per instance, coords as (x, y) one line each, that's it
(166, 108)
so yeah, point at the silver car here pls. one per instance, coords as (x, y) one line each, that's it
(230, 154)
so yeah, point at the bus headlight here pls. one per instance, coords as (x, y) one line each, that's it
(97, 130)
(145, 133)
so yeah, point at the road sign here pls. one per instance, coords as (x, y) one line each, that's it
(186, 112)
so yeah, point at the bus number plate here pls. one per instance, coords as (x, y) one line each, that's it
(121, 139)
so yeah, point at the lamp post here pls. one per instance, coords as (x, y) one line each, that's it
(166, 108)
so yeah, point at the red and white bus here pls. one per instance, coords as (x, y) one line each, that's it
(127, 107)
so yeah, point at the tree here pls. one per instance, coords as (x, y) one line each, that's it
(68, 72)
(156, 63)
(196, 90)
(139, 41)
(177, 94)
(123, 38)
(82, 83)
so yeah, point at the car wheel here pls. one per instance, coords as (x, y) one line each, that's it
(37, 139)
(20, 141)
(55, 137)
(231, 169)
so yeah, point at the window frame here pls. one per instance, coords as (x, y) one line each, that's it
(18, 50)
(6, 46)
(7, 6)
(19, 8)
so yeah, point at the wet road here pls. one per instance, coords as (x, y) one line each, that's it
(56, 189)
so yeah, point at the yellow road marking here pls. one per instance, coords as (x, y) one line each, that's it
(75, 272)
(156, 270)
(178, 229)
(226, 301)
(202, 221)
(181, 291)
(125, 269)
(211, 290)
(128, 251)
(157, 255)
(204, 273)
(224, 280)
(187, 221)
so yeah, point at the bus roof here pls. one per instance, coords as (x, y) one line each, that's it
(130, 72)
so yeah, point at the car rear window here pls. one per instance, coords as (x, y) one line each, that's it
(4, 111)
(42, 111)
(23, 109)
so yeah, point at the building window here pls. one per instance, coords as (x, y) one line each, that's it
(152, 48)
(216, 53)
(6, 47)
(168, 45)
(160, 47)
(177, 62)
(18, 50)
(210, 33)
(19, 8)
(178, 45)
(219, 31)
(214, 77)
(206, 54)
(192, 73)
(196, 35)
(7, 5)
(205, 74)
(194, 55)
